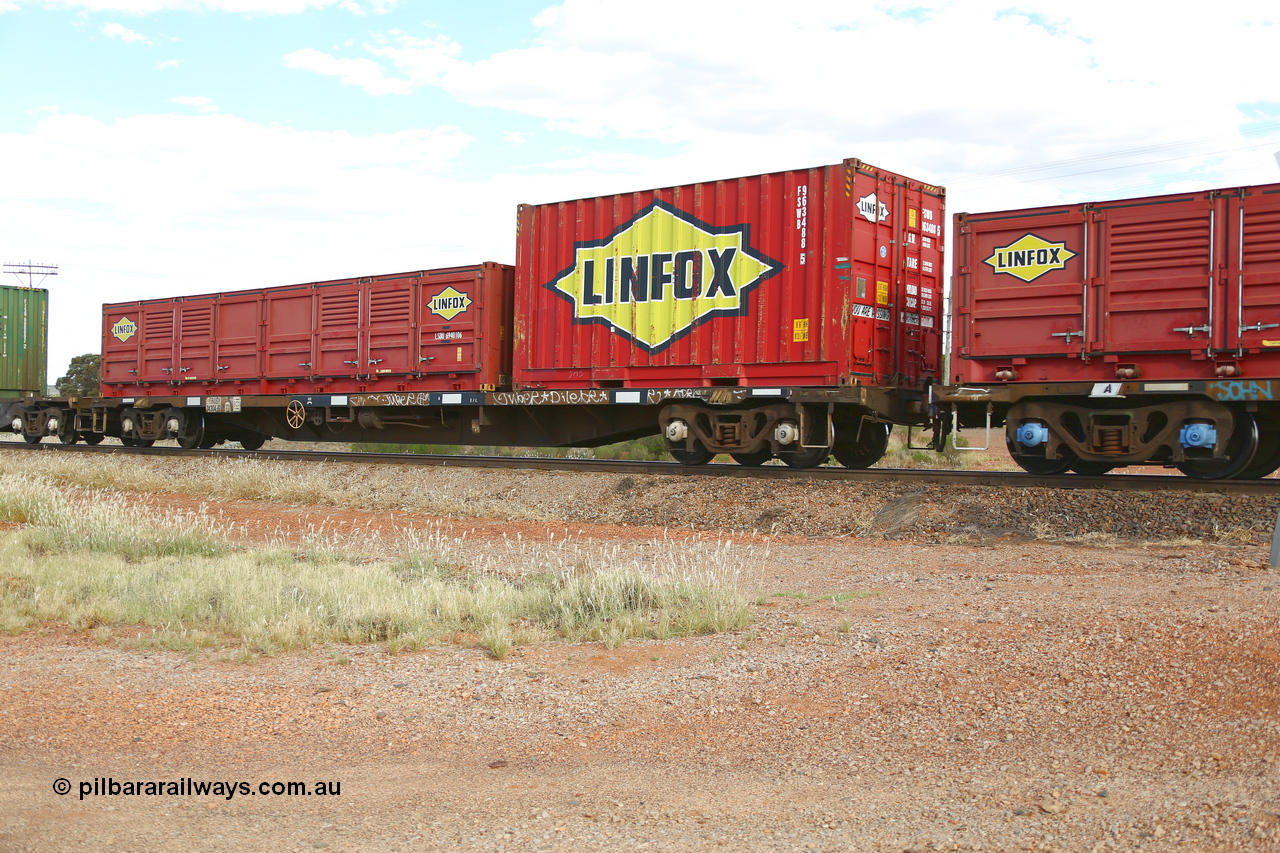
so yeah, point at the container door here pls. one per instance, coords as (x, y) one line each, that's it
(876, 262)
(288, 319)
(1254, 271)
(157, 330)
(919, 317)
(121, 341)
(391, 328)
(1023, 286)
(452, 304)
(1161, 293)
(194, 344)
(338, 340)
(237, 322)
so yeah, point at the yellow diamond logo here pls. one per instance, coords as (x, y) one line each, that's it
(124, 328)
(662, 273)
(449, 303)
(1029, 258)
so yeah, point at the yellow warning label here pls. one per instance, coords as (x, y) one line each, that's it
(800, 331)
(882, 292)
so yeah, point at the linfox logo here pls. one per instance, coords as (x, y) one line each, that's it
(449, 303)
(662, 273)
(1029, 257)
(124, 328)
(873, 209)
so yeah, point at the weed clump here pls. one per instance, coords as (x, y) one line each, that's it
(87, 560)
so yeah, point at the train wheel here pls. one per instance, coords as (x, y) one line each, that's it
(192, 434)
(252, 441)
(92, 437)
(1240, 452)
(1042, 464)
(1266, 460)
(809, 457)
(32, 439)
(1091, 468)
(866, 451)
(698, 456)
(753, 460)
(68, 435)
(129, 441)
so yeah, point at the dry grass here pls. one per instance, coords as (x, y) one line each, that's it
(83, 559)
(262, 480)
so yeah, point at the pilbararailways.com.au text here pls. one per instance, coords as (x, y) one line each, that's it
(188, 787)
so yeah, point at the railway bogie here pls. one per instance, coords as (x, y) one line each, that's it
(1052, 430)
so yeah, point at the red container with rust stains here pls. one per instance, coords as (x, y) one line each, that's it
(1173, 287)
(430, 330)
(812, 277)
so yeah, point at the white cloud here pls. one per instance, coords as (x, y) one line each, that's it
(423, 61)
(124, 34)
(167, 64)
(364, 73)
(939, 89)
(200, 103)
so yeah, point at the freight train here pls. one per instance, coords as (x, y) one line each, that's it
(794, 315)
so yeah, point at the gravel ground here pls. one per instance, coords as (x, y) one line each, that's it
(930, 669)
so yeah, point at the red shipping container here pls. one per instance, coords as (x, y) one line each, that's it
(430, 330)
(821, 277)
(1174, 287)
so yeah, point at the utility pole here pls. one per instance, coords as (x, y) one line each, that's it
(31, 270)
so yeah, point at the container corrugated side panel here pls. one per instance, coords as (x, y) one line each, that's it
(24, 340)
(737, 282)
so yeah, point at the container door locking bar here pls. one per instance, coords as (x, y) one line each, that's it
(1191, 330)
(1067, 336)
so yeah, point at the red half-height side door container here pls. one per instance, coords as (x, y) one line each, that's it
(1180, 286)
(427, 330)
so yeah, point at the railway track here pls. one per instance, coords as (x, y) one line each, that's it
(1008, 479)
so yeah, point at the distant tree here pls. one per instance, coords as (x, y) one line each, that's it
(82, 377)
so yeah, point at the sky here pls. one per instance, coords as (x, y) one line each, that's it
(155, 148)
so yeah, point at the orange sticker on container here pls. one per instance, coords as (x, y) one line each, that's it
(800, 331)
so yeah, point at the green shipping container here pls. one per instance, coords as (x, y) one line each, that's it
(24, 340)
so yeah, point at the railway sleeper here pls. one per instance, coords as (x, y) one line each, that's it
(1202, 438)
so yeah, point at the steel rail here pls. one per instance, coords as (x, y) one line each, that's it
(1011, 479)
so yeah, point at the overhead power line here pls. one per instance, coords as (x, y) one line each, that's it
(31, 270)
